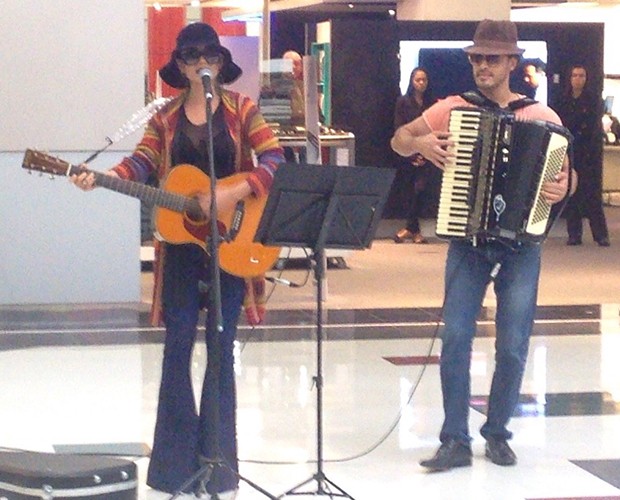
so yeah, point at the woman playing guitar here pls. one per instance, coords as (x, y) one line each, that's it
(176, 136)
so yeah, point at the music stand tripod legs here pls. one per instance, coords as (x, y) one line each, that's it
(319, 207)
(323, 483)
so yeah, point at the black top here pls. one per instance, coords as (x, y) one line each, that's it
(190, 145)
(582, 116)
(406, 110)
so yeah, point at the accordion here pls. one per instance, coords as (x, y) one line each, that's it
(491, 187)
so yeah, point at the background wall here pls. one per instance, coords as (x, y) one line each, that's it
(61, 245)
(73, 73)
(245, 51)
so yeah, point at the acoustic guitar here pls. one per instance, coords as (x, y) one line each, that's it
(177, 215)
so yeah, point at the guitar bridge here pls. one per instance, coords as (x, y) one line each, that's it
(237, 220)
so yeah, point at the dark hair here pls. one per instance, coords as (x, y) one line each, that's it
(427, 96)
(568, 88)
(537, 63)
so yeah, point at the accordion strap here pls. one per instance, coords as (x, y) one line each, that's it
(478, 99)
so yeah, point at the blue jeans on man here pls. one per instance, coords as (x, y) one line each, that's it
(468, 272)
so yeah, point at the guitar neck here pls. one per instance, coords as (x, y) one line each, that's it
(148, 194)
(42, 162)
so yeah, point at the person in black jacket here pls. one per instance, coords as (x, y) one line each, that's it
(426, 178)
(581, 112)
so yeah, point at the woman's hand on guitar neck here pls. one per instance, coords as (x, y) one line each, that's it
(226, 197)
(86, 180)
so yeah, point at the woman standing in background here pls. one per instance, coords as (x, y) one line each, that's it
(425, 177)
(581, 112)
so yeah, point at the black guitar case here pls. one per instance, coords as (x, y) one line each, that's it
(26, 475)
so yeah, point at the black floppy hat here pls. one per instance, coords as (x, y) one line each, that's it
(198, 34)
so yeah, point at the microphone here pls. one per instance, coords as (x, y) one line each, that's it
(205, 75)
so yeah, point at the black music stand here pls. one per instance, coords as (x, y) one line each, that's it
(319, 207)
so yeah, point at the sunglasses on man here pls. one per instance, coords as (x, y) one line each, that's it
(491, 60)
(191, 55)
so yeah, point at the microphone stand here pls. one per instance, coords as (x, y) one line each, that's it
(216, 296)
(204, 474)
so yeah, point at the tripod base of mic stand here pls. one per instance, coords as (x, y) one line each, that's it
(324, 487)
(203, 476)
(200, 479)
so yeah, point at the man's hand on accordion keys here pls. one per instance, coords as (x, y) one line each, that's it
(435, 147)
(555, 191)
(415, 137)
(441, 148)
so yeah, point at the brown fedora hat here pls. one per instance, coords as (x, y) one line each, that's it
(495, 37)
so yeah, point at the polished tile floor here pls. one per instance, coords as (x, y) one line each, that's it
(77, 379)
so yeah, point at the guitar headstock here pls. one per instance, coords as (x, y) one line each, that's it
(42, 162)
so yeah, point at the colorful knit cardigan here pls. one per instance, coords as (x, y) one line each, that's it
(250, 134)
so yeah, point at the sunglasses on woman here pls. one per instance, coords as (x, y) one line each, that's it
(191, 55)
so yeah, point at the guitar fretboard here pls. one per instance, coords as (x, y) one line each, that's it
(41, 162)
(147, 194)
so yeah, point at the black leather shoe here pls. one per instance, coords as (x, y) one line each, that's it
(603, 242)
(450, 454)
(573, 241)
(498, 452)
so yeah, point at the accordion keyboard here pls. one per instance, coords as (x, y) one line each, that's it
(458, 178)
(492, 182)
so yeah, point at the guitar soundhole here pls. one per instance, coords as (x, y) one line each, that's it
(196, 215)
(193, 212)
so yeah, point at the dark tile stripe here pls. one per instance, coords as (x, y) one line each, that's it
(557, 404)
(412, 360)
(607, 470)
(36, 327)
(121, 317)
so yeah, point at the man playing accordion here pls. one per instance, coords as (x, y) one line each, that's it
(512, 266)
